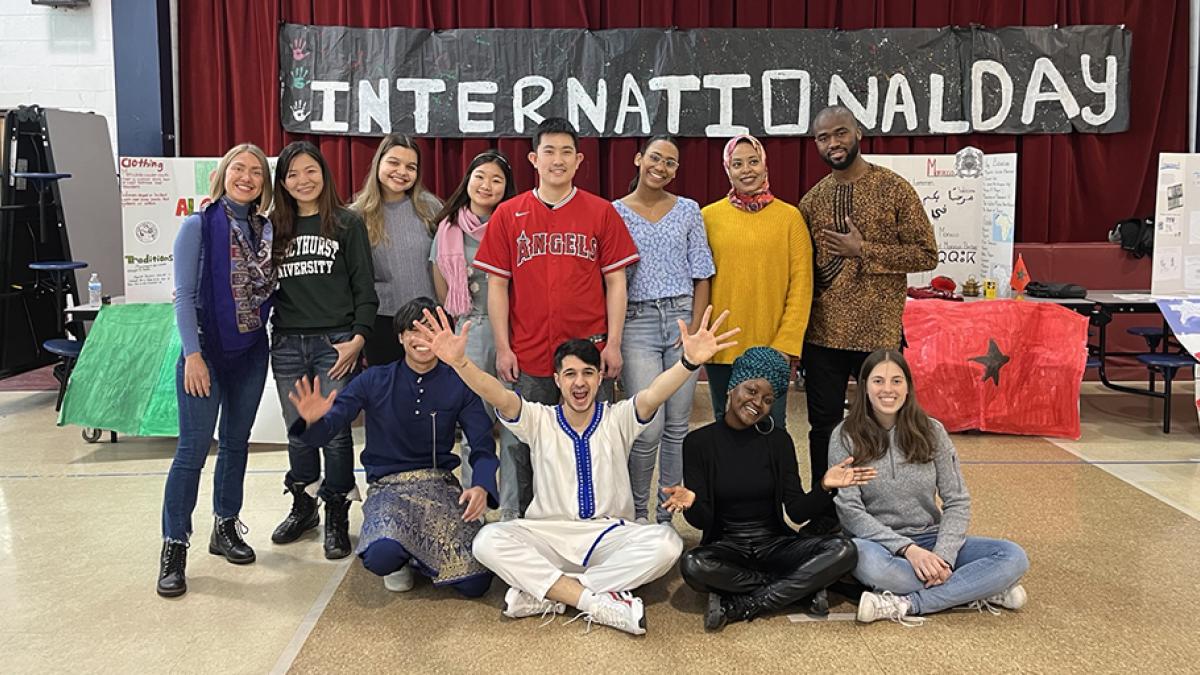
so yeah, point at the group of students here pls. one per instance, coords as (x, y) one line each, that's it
(557, 293)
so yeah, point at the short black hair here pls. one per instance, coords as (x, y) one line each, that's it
(555, 125)
(414, 310)
(584, 350)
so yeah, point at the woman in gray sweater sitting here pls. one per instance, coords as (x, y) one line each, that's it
(915, 557)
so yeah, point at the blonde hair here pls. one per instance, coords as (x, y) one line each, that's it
(216, 187)
(369, 201)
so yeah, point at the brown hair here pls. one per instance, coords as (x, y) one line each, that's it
(369, 200)
(867, 439)
(286, 210)
(216, 186)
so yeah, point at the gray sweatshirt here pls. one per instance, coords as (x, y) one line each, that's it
(901, 501)
(402, 259)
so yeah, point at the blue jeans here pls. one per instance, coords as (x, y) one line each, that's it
(648, 348)
(718, 387)
(481, 349)
(234, 395)
(984, 568)
(296, 356)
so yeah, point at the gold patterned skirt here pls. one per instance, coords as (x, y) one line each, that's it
(420, 511)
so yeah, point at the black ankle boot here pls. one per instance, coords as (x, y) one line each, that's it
(740, 608)
(172, 582)
(337, 527)
(227, 540)
(302, 518)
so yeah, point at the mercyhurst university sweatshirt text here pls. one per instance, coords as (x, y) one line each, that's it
(326, 285)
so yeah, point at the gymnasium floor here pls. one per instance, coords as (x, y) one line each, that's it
(1110, 523)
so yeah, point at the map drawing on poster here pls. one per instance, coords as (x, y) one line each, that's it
(971, 200)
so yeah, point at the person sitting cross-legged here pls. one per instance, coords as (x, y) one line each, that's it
(578, 543)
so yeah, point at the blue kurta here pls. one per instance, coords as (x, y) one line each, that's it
(406, 412)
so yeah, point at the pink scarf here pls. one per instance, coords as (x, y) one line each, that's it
(757, 201)
(452, 260)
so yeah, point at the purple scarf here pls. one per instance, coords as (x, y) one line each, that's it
(236, 283)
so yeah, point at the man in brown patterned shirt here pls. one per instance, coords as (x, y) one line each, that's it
(869, 230)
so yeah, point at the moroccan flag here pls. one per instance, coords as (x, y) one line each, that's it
(1020, 276)
(999, 365)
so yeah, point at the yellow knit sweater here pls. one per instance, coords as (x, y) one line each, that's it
(764, 275)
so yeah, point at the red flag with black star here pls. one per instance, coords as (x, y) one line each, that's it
(1002, 366)
(1020, 276)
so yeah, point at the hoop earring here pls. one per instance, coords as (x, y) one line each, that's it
(764, 433)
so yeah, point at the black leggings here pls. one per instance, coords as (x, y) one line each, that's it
(776, 570)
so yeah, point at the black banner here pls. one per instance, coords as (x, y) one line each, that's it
(704, 82)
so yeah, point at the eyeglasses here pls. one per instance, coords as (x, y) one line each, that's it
(656, 158)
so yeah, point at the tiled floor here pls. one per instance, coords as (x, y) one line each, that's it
(79, 538)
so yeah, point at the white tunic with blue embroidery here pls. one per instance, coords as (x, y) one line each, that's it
(580, 481)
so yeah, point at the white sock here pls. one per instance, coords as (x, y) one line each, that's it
(586, 600)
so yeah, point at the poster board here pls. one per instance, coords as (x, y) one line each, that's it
(157, 193)
(971, 200)
(1176, 270)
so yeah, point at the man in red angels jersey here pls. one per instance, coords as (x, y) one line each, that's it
(555, 258)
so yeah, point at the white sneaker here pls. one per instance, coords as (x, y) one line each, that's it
(518, 604)
(1014, 597)
(399, 581)
(885, 605)
(622, 611)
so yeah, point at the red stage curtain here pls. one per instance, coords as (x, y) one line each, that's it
(1072, 187)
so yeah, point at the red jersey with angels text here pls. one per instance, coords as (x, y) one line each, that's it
(555, 260)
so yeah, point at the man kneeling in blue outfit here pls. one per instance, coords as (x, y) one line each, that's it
(413, 517)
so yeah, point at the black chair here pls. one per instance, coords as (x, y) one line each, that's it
(66, 350)
(1168, 365)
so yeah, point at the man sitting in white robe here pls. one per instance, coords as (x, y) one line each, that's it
(578, 544)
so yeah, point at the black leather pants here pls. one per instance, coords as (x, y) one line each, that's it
(775, 570)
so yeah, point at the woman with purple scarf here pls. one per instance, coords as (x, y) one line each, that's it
(462, 289)
(224, 280)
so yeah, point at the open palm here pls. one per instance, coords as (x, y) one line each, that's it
(435, 333)
(700, 346)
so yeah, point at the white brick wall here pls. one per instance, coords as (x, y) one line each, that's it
(58, 58)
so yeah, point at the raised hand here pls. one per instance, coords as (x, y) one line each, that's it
(699, 347)
(680, 498)
(843, 475)
(308, 400)
(441, 340)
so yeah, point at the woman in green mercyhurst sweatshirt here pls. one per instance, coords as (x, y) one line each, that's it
(324, 312)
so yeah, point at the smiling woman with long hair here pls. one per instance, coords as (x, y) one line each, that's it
(224, 280)
(669, 282)
(324, 312)
(913, 554)
(401, 219)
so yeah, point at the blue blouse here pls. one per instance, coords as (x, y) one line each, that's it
(674, 251)
(405, 410)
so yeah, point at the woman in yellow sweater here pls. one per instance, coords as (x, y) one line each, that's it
(763, 255)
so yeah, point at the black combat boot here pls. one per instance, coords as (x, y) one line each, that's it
(172, 582)
(302, 518)
(227, 541)
(337, 527)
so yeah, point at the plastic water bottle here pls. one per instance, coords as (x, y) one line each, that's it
(94, 290)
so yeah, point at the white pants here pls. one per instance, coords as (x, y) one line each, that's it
(624, 557)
